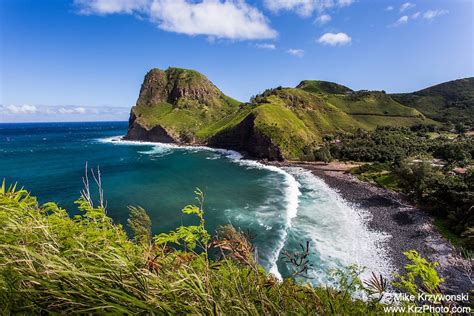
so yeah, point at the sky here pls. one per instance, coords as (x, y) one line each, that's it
(75, 60)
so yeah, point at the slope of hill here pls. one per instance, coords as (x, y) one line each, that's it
(183, 106)
(450, 101)
(281, 122)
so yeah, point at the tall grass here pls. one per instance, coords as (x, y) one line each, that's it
(53, 263)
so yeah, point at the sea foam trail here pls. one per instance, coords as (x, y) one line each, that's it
(291, 189)
(292, 194)
(338, 232)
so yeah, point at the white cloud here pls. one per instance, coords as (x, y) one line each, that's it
(407, 6)
(103, 7)
(71, 110)
(230, 19)
(266, 46)
(21, 109)
(296, 52)
(335, 39)
(415, 15)
(323, 19)
(80, 110)
(401, 20)
(305, 7)
(431, 14)
(51, 113)
(389, 8)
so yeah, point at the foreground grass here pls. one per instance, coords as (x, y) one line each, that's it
(51, 263)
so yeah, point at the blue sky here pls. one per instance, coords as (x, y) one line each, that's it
(85, 59)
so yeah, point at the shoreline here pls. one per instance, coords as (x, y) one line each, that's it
(408, 226)
(391, 213)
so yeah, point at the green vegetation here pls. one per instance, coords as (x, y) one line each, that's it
(389, 144)
(447, 102)
(447, 195)
(446, 232)
(421, 276)
(323, 87)
(377, 173)
(423, 167)
(52, 263)
(294, 120)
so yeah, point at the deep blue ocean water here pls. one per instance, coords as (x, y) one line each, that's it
(281, 207)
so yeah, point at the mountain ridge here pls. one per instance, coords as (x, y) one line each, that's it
(451, 101)
(183, 106)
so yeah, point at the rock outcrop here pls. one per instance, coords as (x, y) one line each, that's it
(155, 134)
(173, 105)
(244, 137)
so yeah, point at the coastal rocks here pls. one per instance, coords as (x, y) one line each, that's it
(155, 134)
(246, 138)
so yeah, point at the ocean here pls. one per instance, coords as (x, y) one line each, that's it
(281, 207)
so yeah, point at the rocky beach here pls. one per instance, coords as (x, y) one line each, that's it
(408, 226)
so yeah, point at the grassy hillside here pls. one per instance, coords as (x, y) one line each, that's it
(51, 263)
(294, 118)
(188, 108)
(451, 101)
(324, 87)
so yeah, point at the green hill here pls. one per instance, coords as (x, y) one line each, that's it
(317, 86)
(183, 106)
(376, 108)
(281, 122)
(175, 104)
(450, 101)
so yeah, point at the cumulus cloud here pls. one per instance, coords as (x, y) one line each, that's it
(266, 46)
(229, 19)
(305, 7)
(323, 19)
(415, 15)
(296, 52)
(335, 39)
(389, 8)
(402, 20)
(431, 14)
(21, 109)
(407, 6)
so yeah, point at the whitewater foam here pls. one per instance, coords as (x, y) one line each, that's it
(338, 231)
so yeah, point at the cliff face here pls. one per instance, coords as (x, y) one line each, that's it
(155, 134)
(174, 85)
(244, 137)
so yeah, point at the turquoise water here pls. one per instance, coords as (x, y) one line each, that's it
(281, 207)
